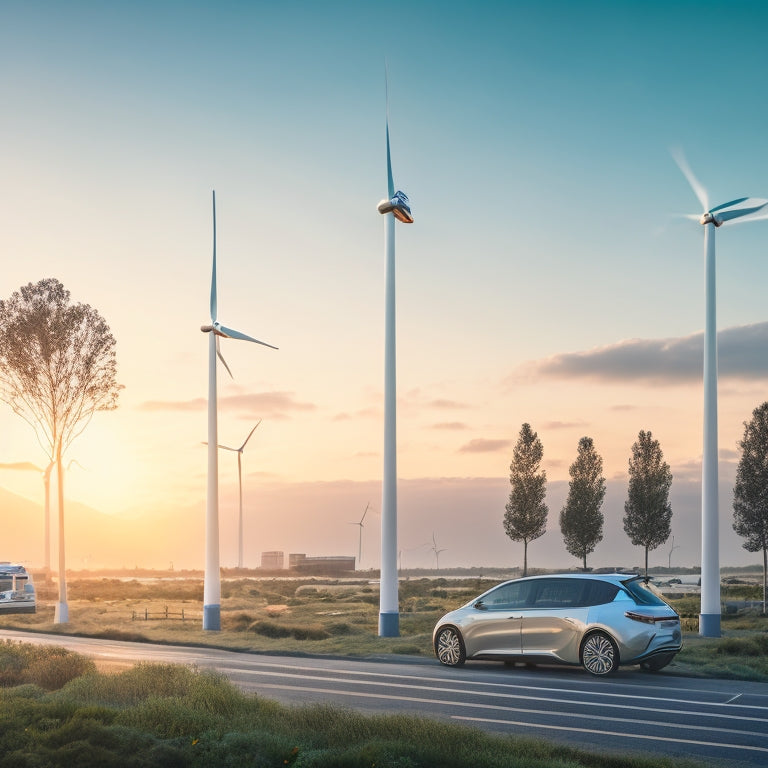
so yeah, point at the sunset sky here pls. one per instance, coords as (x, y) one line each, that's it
(547, 278)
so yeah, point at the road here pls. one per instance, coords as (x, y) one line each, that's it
(720, 722)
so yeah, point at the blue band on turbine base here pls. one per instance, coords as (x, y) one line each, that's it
(709, 624)
(212, 617)
(389, 624)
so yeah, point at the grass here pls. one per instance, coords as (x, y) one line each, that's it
(58, 709)
(164, 715)
(340, 617)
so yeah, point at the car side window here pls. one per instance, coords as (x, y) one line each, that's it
(560, 593)
(599, 592)
(513, 595)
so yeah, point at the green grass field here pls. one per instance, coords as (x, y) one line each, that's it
(59, 709)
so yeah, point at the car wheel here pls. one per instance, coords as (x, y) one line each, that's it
(657, 662)
(449, 647)
(599, 654)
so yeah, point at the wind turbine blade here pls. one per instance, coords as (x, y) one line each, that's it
(390, 181)
(367, 506)
(249, 435)
(696, 185)
(227, 448)
(731, 216)
(728, 205)
(221, 357)
(232, 334)
(214, 307)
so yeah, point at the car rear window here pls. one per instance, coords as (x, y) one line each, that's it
(643, 592)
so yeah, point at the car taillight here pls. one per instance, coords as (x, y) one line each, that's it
(641, 617)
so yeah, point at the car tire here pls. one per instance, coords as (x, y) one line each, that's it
(449, 647)
(657, 662)
(599, 654)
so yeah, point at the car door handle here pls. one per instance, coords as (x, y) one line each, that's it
(515, 617)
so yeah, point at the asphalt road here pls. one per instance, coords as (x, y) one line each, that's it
(717, 722)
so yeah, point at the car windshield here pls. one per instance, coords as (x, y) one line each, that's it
(644, 592)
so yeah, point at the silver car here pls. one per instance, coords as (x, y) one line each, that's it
(597, 620)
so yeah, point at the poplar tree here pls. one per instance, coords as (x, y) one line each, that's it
(750, 494)
(647, 511)
(525, 518)
(57, 368)
(581, 519)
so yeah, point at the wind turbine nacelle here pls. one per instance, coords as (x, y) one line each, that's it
(709, 218)
(399, 206)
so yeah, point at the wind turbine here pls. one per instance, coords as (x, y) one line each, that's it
(436, 551)
(732, 212)
(394, 206)
(212, 581)
(239, 452)
(360, 545)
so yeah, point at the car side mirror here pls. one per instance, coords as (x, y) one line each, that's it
(480, 606)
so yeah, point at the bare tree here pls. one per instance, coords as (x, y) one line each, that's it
(525, 518)
(57, 368)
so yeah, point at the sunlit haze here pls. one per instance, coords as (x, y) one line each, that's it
(548, 277)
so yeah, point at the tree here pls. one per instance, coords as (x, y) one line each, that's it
(581, 520)
(57, 368)
(647, 511)
(750, 494)
(525, 518)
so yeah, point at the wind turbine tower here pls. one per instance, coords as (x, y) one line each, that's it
(394, 206)
(212, 581)
(736, 211)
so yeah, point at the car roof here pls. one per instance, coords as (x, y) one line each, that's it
(615, 578)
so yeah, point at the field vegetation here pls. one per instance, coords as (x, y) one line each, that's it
(340, 617)
(57, 710)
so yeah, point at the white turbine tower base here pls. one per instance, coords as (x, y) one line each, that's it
(735, 211)
(395, 206)
(212, 580)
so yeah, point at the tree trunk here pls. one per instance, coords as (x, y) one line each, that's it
(765, 576)
(47, 481)
(62, 610)
(525, 557)
(585, 563)
(646, 562)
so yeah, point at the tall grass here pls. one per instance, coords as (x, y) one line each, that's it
(165, 715)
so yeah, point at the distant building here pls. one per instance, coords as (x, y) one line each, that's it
(272, 561)
(326, 566)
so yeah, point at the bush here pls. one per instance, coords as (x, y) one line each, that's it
(49, 667)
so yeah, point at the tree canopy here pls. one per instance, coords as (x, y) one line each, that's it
(647, 511)
(57, 362)
(525, 518)
(581, 521)
(750, 494)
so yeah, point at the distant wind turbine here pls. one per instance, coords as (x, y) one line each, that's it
(436, 551)
(395, 206)
(736, 211)
(212, 581)
(239, 452)
(360, 545)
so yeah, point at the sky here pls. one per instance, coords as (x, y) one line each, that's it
(548, 277)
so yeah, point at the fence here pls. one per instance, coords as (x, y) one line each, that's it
(147, 615)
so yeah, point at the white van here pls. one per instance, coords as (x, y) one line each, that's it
(17, 592)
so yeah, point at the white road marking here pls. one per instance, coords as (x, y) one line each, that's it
(614, 733)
